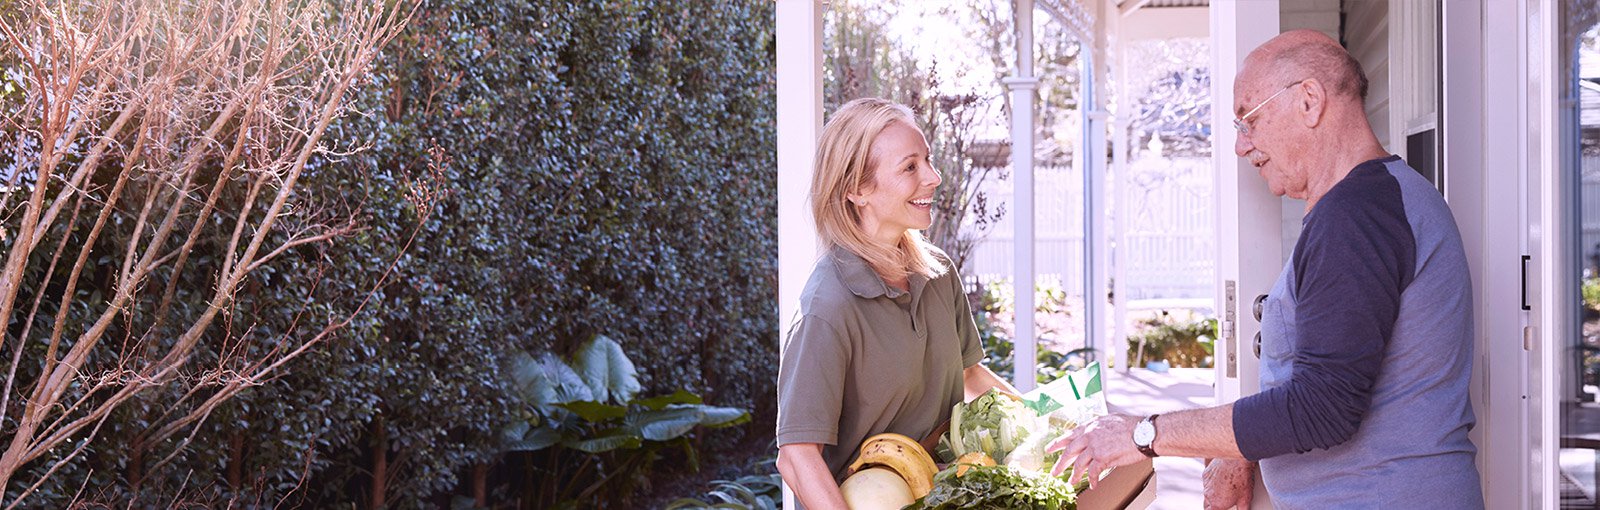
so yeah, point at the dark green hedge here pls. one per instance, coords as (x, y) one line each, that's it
(610, 169)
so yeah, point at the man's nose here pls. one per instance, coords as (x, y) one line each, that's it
(1242, 145)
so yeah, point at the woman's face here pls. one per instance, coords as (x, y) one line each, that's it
(900, 196)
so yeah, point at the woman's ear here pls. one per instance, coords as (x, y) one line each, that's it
(1313, 102)
(859, 196)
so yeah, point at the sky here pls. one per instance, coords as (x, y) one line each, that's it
(931, 34)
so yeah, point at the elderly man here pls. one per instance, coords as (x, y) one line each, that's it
(1366, 336)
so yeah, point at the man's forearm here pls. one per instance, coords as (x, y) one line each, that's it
(1204, 433)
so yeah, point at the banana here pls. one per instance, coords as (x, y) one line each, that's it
(965, 462)
(902, 455)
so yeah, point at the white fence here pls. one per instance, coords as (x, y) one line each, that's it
(1589, 213)
(1169, 235)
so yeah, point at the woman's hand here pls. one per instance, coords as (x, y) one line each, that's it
(977, 379)
(808, 476)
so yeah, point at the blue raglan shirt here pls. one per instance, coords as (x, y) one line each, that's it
(1366, 354)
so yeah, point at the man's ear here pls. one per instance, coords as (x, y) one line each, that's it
(1313, 102)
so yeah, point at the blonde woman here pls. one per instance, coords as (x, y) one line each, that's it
(885, 340)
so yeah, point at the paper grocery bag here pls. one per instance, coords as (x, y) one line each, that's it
(1077, 397)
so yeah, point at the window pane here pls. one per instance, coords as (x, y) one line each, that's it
(1580, 146)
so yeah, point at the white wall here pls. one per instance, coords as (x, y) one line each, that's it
(1367, 37)
(1319, 15)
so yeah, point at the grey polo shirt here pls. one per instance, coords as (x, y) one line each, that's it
(864, 357)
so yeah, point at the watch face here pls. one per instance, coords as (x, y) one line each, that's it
(1144, 433)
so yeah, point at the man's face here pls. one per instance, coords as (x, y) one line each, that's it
(1264, 108)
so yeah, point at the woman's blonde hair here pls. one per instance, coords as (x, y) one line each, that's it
(843, 168)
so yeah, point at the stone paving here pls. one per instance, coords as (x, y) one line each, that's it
(1142, 392)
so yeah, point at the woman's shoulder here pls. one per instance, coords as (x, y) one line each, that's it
(825, 289)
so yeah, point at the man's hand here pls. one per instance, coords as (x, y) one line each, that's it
(1228, 484)
(1094, 447)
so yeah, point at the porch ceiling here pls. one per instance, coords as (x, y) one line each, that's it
(1128, 7)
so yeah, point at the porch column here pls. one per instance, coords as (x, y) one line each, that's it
(1021, 87)
(799, 78)
(1118, 347)
(799, 124)
(1097, 246)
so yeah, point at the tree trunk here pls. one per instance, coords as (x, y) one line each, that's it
(380, 462)
(135, 464)
(480, 485)
(236, 460)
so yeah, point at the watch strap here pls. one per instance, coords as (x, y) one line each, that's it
(1149, 450)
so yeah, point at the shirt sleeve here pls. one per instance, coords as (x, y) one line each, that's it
(811, 382)
(1353, 262)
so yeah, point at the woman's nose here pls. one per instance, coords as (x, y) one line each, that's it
(930, 177)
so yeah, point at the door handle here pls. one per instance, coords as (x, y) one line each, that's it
(1525, 306)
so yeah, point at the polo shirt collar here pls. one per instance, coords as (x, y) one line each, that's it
(862, 281)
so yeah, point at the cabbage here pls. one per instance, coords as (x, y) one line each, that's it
(1015, 432)
(999, 425)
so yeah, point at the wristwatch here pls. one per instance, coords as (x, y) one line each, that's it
(1144, 435)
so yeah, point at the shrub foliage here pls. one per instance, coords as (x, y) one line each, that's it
(601, 166)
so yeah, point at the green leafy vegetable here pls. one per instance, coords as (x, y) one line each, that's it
(1005, 429)
(997, 487)
(994, 424)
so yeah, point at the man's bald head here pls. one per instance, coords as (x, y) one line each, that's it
(1308, 54)
(1287, 141)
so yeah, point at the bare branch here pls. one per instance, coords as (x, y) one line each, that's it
(156, 118)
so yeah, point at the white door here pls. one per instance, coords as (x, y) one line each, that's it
(1250, 219)
(1566, 197)
(1491, 144)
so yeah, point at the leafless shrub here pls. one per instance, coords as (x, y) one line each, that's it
(176, 113)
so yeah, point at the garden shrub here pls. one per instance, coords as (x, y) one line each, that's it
(605, 165)
(1182, 342)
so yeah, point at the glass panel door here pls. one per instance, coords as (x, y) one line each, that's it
(1579, 353)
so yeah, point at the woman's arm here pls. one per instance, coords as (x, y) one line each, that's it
(808, 476)
(977, 379)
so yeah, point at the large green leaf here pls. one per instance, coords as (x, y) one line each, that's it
(713, 416)
(525, 372)
(604, 444)
(678, 397)
(670, 423)
(606, 369)
(515, 431)
(595, 412)
(535, 440)
(546, 381)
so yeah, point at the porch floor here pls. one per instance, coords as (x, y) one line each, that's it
(1142, 392)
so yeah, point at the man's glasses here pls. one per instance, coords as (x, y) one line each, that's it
(1242, 124)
